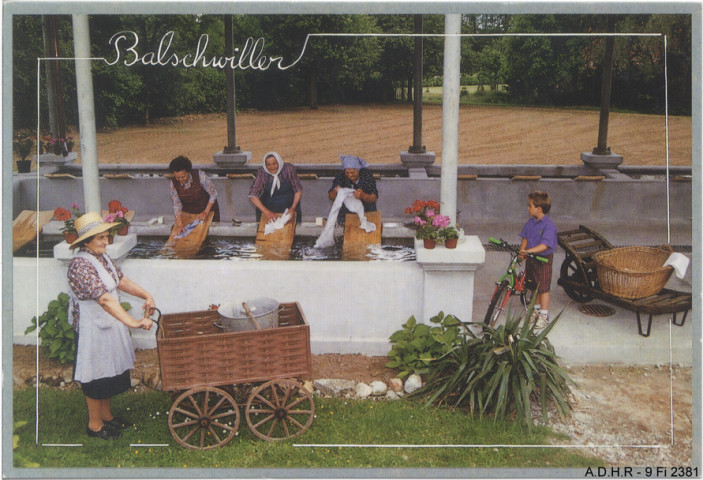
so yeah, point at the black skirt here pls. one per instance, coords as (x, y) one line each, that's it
(108, 387)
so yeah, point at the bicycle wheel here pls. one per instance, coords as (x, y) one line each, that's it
(498, 301)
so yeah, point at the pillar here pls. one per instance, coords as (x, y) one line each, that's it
(451, 86)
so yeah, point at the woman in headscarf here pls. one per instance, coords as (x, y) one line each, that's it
(355, 175)
(191, 192)
(275, 188)
(104, 351)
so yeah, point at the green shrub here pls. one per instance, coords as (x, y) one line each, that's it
(55, 333)
(501, 372)
(417, 344)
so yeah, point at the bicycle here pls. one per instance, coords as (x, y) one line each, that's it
(512, 282)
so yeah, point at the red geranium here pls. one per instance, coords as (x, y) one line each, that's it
(62, 214)
(115, 205)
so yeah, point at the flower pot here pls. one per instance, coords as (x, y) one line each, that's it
(110, 239)
(428, 243)
(23, 166)
(451, 242)
(123, 230)
(70, 237)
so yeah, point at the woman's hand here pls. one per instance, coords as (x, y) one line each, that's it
(149, 305)
(271, 215)
(178, 227)
(146, 323)
(358, 193)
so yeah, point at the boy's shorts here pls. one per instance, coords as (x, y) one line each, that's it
(540, 273)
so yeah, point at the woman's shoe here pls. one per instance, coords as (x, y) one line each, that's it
(105, 433)
(118, 423)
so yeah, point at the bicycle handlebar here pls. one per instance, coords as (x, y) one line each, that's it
(505, 244)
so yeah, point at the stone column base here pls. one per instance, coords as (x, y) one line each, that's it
(231, 159)
(449, 277)
(608, 161)
(421, 160)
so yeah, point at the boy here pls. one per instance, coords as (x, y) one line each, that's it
(539, 236)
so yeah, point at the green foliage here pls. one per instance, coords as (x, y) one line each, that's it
(55, 333)
(501, 372)
(417, 345)
(19, 459)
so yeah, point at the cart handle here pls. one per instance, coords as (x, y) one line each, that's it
(157, 320)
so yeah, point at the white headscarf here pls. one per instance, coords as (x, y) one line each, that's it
(276, 184)
(350, 161)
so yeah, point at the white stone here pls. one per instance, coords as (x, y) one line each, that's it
(307, 385)
(413, 383)
(334, 387)
(396, 384)
(378, 387)
(363, 390)
(391, 395)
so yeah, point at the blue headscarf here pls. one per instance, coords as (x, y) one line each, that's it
(350, 161)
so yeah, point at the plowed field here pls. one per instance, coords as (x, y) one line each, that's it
(487, 135)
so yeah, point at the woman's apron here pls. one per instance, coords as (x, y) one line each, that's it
(281, 199)
(104, 346)
(195, 199)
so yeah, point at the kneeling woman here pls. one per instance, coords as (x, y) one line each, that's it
(104, 352)
(275, 188)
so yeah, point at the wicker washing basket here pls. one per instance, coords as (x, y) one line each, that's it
(633, 272)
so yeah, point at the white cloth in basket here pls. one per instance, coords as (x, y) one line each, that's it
(680, 263)
(278, 223)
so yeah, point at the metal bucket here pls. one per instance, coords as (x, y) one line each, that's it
(262, 314)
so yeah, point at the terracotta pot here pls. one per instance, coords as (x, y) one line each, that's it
(110, 239)
(70, 237)
(428, 243)
(451, 242)
(123, 230)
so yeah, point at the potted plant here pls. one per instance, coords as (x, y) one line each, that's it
(450, 235)
(116, 214)
(22, 145)
(69, 229)
(424, 211)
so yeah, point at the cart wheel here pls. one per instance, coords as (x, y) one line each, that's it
(203, 418)
(279, 409)
(571, 271)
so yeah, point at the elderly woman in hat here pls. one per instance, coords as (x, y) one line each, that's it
(355, 175)
(104, 352)
(275, 188)
(191, 192)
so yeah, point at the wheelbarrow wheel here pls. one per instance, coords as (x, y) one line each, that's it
(571, 272)
(279, 409)
(203, 418)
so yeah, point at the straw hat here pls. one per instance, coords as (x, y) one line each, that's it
(88, 225)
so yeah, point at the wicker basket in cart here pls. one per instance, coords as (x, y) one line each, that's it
(633, 272)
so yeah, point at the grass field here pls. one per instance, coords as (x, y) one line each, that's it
(496, 135)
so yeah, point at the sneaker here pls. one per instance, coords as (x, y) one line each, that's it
(533, 316)
(542, 321)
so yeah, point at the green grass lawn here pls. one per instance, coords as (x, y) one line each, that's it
(63, 420)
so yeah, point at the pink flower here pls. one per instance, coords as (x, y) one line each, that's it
(74, 205)
(440, 221)
(419, 221)
(430, 213)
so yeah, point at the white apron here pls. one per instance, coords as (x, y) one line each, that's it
(104, 345)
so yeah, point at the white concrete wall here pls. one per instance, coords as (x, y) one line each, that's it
(352, 307)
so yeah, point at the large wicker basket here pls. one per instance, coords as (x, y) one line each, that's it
(633, 272)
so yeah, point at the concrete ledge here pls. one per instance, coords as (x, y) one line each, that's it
(468, 254)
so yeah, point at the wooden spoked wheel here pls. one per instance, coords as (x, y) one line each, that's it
(279, 409)
(572, 271)
(203, 418)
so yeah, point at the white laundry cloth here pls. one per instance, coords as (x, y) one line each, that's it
(345, 196)
(680, 263)
(188, 228)
(278, 223)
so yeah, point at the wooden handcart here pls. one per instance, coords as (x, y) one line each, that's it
(578, 278)
(210, 373)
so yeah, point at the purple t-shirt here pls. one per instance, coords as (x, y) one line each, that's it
(540, 232)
